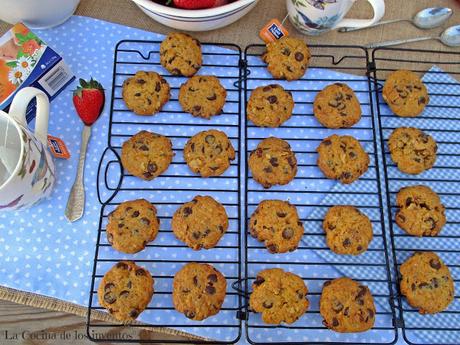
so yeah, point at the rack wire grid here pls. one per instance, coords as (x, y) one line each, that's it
(313, 260)
(167, 192)
(441, 119)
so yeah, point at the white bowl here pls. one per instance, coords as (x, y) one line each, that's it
(196, 20)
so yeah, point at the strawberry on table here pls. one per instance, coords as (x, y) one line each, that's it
(88, 100)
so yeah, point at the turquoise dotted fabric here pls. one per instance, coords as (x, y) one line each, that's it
(41, 252)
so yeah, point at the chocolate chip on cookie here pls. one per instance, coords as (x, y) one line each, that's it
(146, 93)
(132, 225)
(198, 291)
(125, 290)
(209, 153)
(147, 155)
(348, 231)
(273, 162)
(421, 212)
(200, 223)
(277, 224)
(336, 106)
(427, 283)
(341, 157)
(287, 58)
(412, 150)
(347, 306)
(181, 54)
(280, 296)
(270, 106)
(202, 96)
(405, 93)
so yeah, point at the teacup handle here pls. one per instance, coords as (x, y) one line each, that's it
(18, 110)
(379, 11)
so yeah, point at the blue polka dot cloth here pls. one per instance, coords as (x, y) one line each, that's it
(41, 252)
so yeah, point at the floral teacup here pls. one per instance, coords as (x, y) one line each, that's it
(26, 165)
(313, 17)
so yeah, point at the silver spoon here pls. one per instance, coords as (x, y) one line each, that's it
(427, 18)
(449, 37)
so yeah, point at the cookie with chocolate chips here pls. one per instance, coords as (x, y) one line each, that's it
(132, 225)
(347, 306)
(202, 96)
(181, 54)
(280, 296)
(427, 283)
(146, 155)
(421, 212)
(348, 230)
(200, 223)
(146, 93)
(198, 291)
(209, 153)
(336, 106)
(405, 93)
(276, 224)
(125, 290)
(273, 162)
(412, 150)
(270, 106)
(341, 157)
(287, 58)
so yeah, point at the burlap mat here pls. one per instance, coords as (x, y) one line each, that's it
(54, 304)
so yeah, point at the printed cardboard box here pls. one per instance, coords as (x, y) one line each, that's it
(25, 60)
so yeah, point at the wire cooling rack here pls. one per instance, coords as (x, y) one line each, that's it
(441, 119)
(313, 260)
(166, 255)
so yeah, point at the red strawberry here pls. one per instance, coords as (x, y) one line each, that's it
(88, 100)
(220, 3)
(194, 4)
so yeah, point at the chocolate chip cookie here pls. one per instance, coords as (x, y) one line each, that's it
(421, 212)
(341, 157)
(180, 54)
(347, 306)
(270, 106)
(287, 58)
(146, 93)
(209, 153)
(426, 282)
(273, 162)
(277, 224)
(132, 225)
(200, 223)
(405, 93)
(412, 150)
(125, 290)
(280, 296)
(198, 291)
(146, 155)
(348, 231)
(202, 96)
(336, 106)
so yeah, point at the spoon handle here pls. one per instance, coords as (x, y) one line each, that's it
(383, 22)
(397, 42)
(76, 202)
